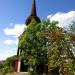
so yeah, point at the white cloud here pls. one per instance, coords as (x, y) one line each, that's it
(64, 19)
(16, 31)
(11, 42)
(7, 53)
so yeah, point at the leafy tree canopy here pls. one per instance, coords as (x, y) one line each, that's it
(47, 42)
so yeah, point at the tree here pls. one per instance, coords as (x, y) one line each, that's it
(60, 52)
(9, 65)
(46, 44)
(71, 28)
(33, 45)
(45, 47)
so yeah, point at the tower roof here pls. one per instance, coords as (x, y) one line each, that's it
(33, 16)
(33, 11)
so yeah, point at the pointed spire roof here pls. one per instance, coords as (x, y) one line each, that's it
(33, 12)
(33, 16)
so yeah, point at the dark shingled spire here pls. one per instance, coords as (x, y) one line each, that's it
(33, 16)
(33, 12)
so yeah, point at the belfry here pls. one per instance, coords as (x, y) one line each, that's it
(19, 64)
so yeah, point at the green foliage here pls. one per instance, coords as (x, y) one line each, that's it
(32, 41)
(44, 43)
(60, 44)
(47, 44)
(71, 27)
(9, 65)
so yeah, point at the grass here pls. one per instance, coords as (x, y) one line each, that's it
(14, 74)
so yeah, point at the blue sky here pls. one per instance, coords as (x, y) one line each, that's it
(13, 14)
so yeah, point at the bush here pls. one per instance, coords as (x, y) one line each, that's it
(9, 65)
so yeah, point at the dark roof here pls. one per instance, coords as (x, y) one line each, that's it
(33, 15)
